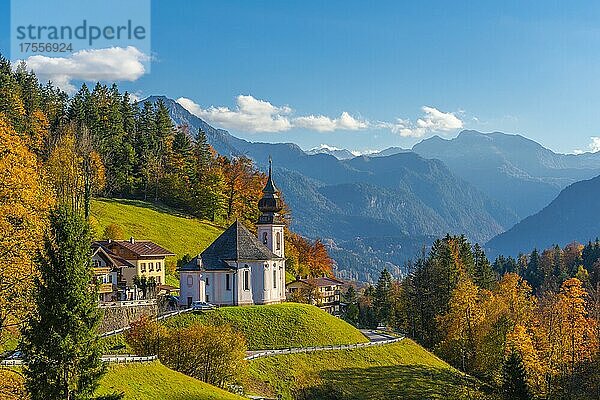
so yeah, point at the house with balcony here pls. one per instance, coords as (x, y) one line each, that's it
(129, 261)
(323, 292)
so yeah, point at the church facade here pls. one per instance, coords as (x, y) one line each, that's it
(239, 268)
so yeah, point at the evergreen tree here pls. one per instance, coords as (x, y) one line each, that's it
(534, 274)
(382, 300)
(514, 380)
(483, 273)
(60, 344)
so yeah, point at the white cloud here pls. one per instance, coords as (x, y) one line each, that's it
(254, 115)
(250, 114)
(433, 120)
(109, 64)
(593, 147)
(321, 123)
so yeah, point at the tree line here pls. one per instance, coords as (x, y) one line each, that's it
(526, 341)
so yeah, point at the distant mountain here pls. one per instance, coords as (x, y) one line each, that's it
(573, 215)
(516, 171)
(401, 198)
(390, 151)
(340, 154)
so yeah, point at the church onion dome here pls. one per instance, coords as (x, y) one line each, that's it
(270, 202)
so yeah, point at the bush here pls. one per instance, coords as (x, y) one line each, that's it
(145, 336)
(114, 232)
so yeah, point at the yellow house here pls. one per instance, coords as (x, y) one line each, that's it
(144, 259)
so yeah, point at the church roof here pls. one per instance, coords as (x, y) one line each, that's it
(237, 243)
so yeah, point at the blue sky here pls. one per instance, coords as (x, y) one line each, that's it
(366, 76)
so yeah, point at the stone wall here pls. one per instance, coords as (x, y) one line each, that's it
(121, 315)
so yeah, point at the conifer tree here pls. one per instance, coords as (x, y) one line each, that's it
(514, 380)
(382, 301)
(60, 344)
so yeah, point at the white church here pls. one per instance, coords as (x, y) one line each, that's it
(239, 268)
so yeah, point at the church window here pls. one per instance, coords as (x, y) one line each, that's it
(274, 278)
(246, 280)
(278, 241)
(190, 280)
(227, 282)
(207, 282)
(265, 238)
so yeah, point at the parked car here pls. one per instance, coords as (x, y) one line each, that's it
(202, 306)
(16, 355)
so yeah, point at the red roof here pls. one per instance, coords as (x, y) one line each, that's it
(141, 248)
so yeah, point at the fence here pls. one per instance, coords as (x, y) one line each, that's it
(123, 359)
(268, 353)
(128, 303)
(160, 318)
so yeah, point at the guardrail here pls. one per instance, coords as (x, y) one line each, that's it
(120, 359)
(160, 318)
(294, 350)
(128, 303)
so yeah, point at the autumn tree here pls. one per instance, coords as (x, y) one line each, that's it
(213, 354)
(145, 336)
(24, 202)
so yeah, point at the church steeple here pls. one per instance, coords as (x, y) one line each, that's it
(270, 224)
(270, 204)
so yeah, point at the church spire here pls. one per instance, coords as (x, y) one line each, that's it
(270, 204)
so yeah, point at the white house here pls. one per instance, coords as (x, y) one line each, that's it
(239, 268)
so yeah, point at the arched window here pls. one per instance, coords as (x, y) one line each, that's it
(246, 280)
(274, 277)
(190, 280)
(265, 238)
(278, 240)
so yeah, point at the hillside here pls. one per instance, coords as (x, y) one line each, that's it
(402, 370)
(152, 381)
(572, 216)
(178, 233)
(516, 171)
(279, 325)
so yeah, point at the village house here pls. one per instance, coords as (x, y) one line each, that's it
(323, 292)
(120, 262)
(240, 268)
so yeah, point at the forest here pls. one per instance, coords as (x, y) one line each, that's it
(530, 328)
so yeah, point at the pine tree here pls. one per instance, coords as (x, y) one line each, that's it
(534, 274)
(483, 273)
(514, 379)
(60, 344)
(382, 300)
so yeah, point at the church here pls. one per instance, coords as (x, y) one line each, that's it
(239, 268)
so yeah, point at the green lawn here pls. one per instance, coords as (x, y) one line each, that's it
(279, 325)
(154, 381)
(402, 370)
(178, 233)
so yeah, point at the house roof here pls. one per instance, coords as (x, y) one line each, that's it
(319, 282)
(237, 243)
(109, 256)
(141, 248)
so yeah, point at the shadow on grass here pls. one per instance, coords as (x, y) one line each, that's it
(394, 382)
(158, 207)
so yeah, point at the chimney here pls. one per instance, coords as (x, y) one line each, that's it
(131, 240)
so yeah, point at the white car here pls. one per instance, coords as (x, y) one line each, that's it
(202, 306)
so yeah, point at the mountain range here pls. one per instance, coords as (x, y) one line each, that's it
(572, 216)
(381, 209)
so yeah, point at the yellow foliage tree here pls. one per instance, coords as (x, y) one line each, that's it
(24, 203)
(522, 341)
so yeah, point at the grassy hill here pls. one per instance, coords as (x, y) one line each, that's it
(279, 325)
(152, 381)
(401, 370)
(178, 233)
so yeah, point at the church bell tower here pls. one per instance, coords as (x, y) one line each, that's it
(270, 224)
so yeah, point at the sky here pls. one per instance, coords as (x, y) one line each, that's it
(355, 74)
